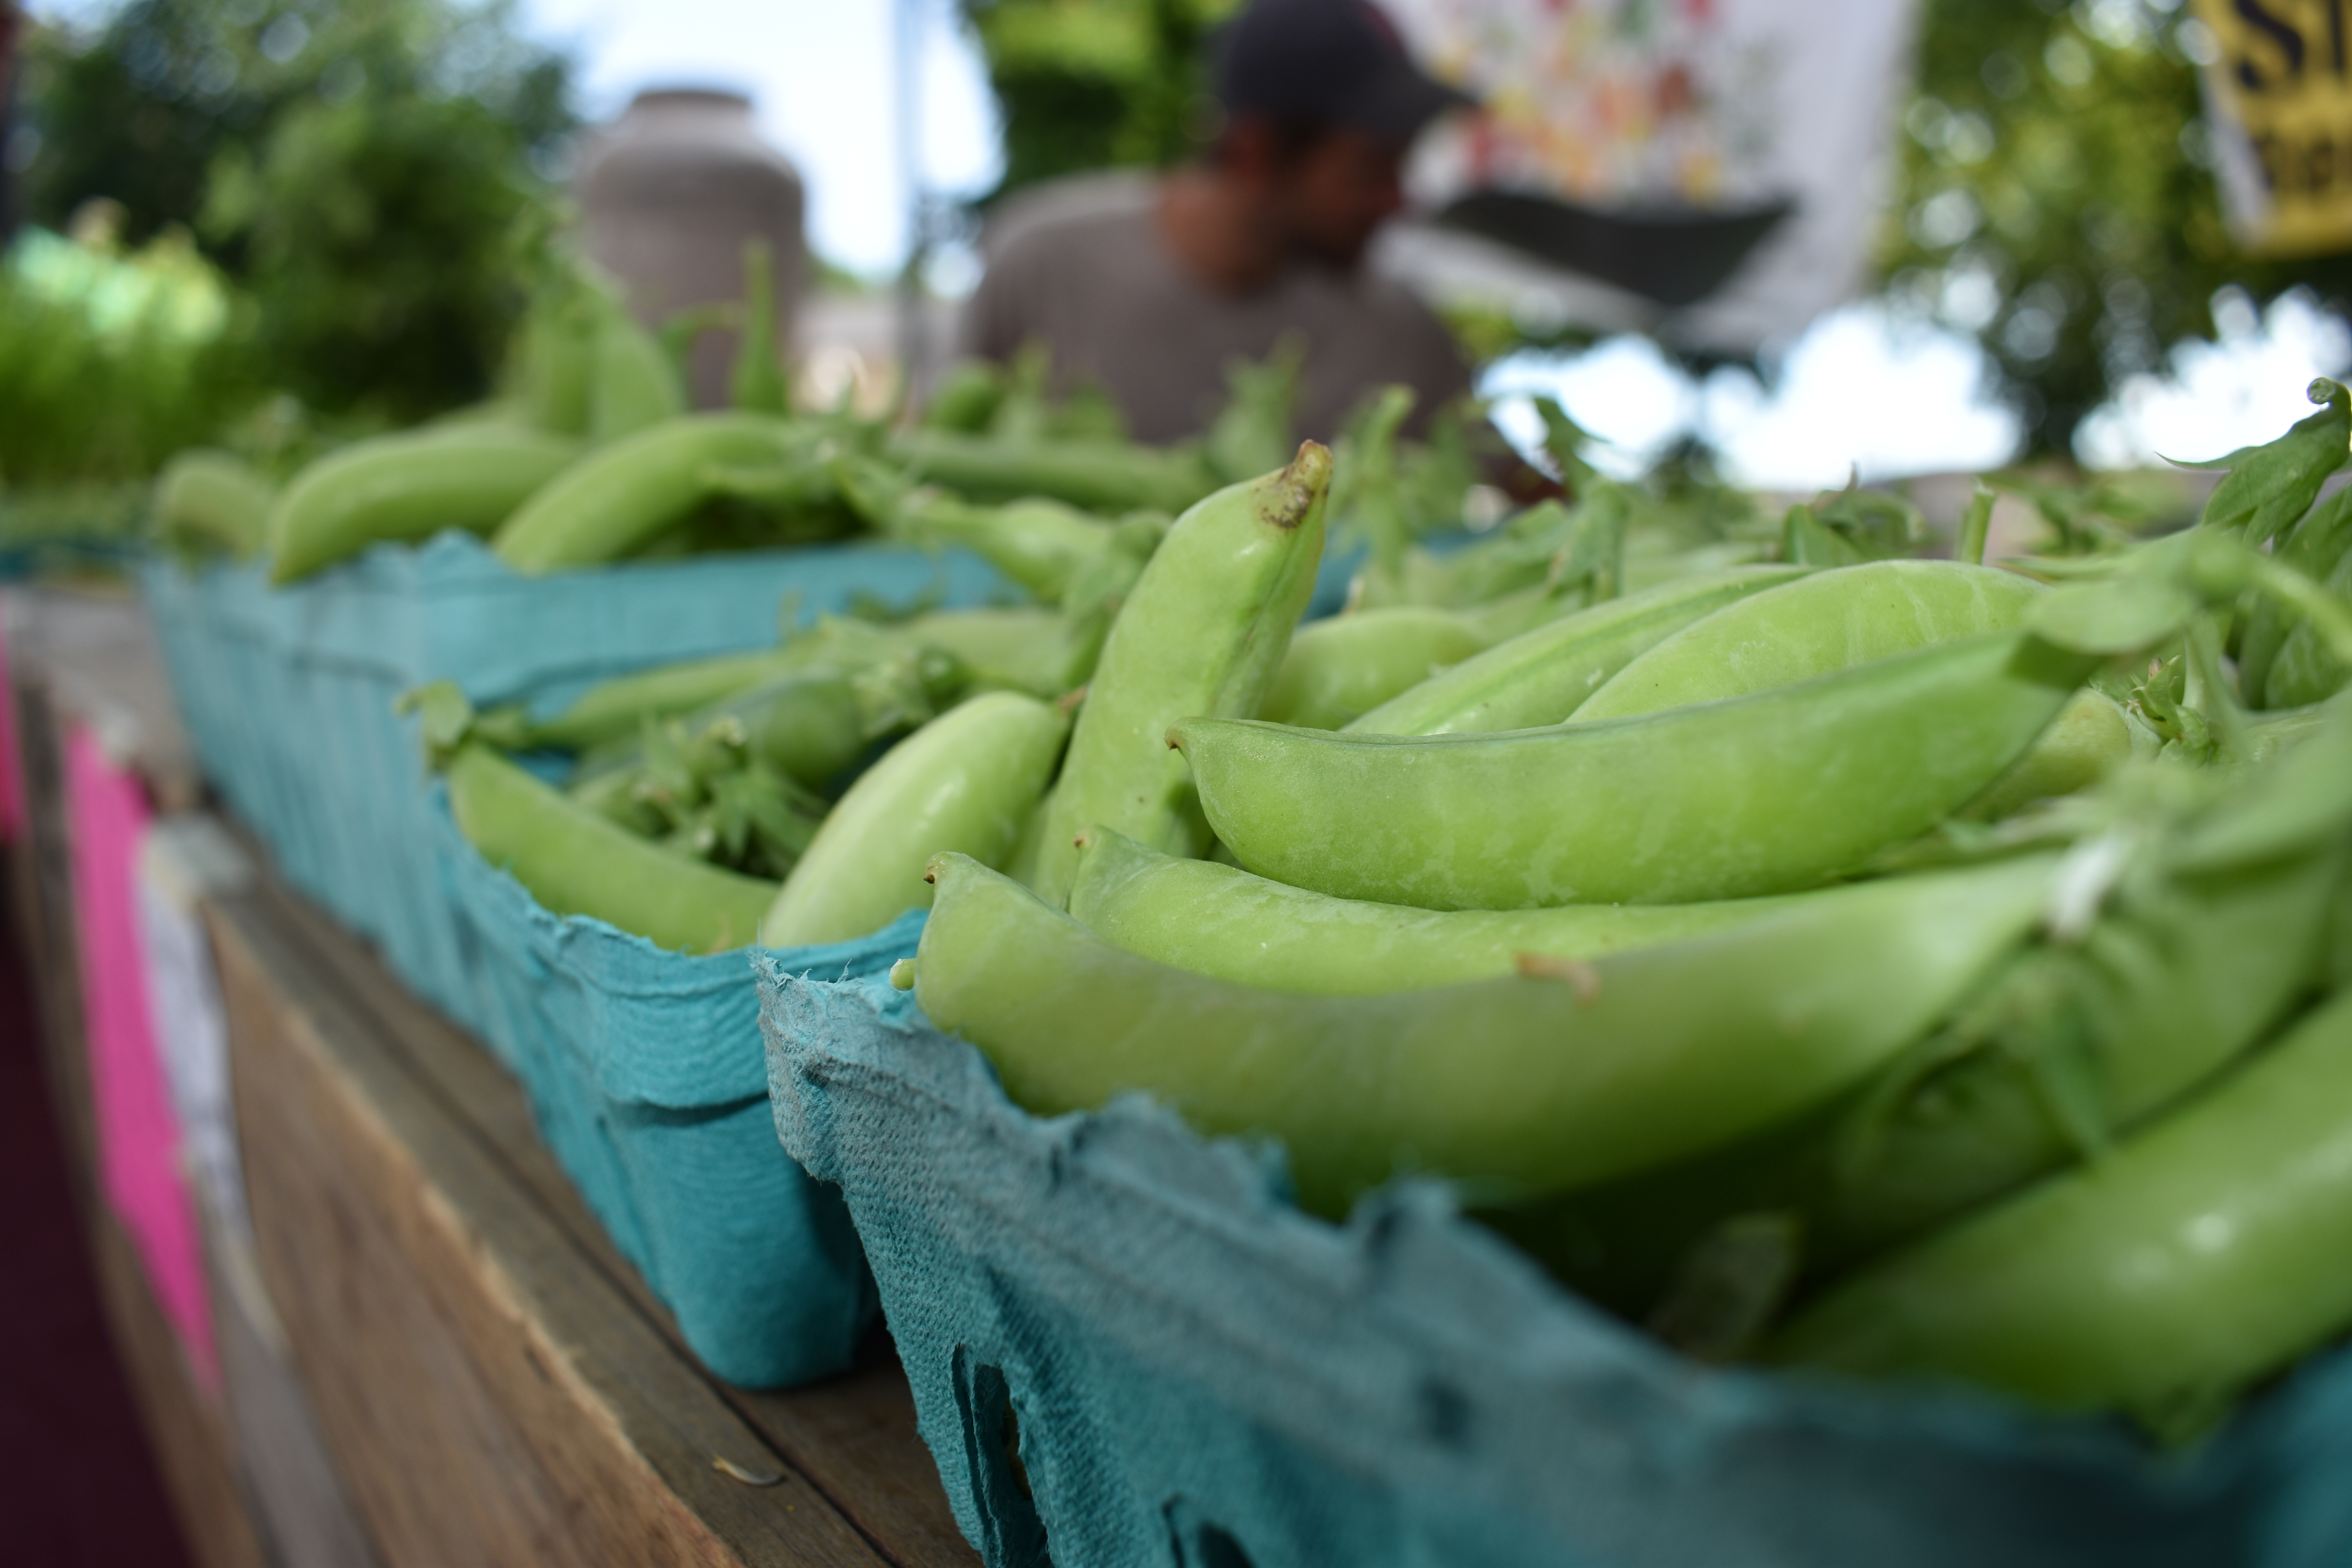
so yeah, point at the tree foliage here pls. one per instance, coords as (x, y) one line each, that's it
(1094, 84)
(358, 165)
(2057, 197)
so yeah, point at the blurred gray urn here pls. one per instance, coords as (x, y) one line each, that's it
(669, 192)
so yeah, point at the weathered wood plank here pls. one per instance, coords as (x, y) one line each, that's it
(853, 1437)
(493, 1397)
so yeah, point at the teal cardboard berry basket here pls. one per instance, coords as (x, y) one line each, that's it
(289, 692)
(1126, 1347)
(647, 1079)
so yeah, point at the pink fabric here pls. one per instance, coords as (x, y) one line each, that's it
(140, 1171)
(12, 789)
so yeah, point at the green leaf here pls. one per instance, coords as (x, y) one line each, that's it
(2272, 485)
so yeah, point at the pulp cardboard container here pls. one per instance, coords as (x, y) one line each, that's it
(649, 1081)
(1126, 1347)
(289, 692)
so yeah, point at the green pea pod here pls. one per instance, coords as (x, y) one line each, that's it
(213, 498)
(1763, 794)
(1340, 670)
(1109, 476)
(2063, 1047)
(1252, 433)
(621, 496)
(757, 384)
(2203, 1254)
(1516, 1084)
(1221, 921)
(813, 726)
(1019, 649)
(633, 385)
(615, 710)
(576, 862)
(403, 489)
(965, 397)
(557, 352)
(1541, 677)
(1829, 621)
(1040, 544)
(1203, 631)
(965, 782)
(2089, 740)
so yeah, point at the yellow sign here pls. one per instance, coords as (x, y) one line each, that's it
(2282, 89)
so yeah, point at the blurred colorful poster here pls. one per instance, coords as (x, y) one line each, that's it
(1718, 158)
(2280, 88)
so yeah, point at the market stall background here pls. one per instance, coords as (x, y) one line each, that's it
(417, 733)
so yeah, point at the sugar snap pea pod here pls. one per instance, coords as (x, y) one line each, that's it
(2204, 1253)
(2061, 1049)
(2088, 740)
(1541, 677)
(1203, 631)
(633, 385)
(614, 708)
(966, 782)
(1764, 793)
(1100, 476)
(1828, 621)
(1024, 648)
(1520, 1084)
(400, 489)
(214, 498)
(1252, 434)
(1338, 669)
(621, 496)
(1038, 543)
(557, 355)
(966, 396)
(575, 862)
(1221, 921)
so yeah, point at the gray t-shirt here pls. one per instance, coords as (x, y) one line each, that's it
(1092, 279)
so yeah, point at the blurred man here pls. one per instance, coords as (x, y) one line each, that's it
(1150, 289)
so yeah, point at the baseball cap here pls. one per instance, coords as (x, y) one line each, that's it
(1326, 62)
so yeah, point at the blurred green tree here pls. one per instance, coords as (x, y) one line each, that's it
(360, 166)
(1094, 84)
(2056, 196)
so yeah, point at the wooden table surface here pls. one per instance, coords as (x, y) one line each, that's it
(492, 1380)
(497, 1380)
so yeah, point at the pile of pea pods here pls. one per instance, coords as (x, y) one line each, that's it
(792, 794)
(1816, 953)
(589, 456)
